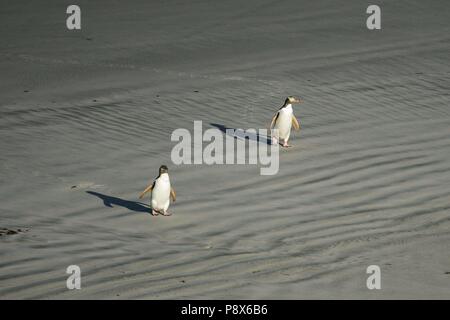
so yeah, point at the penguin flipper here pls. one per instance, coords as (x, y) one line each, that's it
(148, 189)
(295, 123)
(173, 195)
(274, 120)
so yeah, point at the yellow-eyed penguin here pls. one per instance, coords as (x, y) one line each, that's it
(283, 120)
(161, 192)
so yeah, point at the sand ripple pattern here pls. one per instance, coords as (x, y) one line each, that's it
(367, 181)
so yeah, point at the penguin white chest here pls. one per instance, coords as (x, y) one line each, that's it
(161, 193)
(284, 122)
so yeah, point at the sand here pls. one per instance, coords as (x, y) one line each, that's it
(85, 123)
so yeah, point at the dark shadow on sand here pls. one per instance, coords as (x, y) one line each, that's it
(113, 201)
(240, 134)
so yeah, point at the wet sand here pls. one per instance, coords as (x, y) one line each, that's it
(86, 118)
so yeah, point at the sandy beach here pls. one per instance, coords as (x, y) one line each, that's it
(86, 118)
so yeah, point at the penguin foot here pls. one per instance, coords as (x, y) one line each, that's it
(166, 214)
(285, 145)
(274, 140)
(155, 213)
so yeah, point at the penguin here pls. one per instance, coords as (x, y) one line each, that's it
(161, 192)
(283, 120)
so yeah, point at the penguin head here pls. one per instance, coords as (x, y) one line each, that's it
(291, 100)
(163, 169)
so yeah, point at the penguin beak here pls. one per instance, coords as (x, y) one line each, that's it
(298, 100)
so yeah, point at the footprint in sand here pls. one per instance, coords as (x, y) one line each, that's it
(86, 185)
(7, 232)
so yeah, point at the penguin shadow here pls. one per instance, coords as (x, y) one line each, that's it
(109, 201)
(241, 134)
